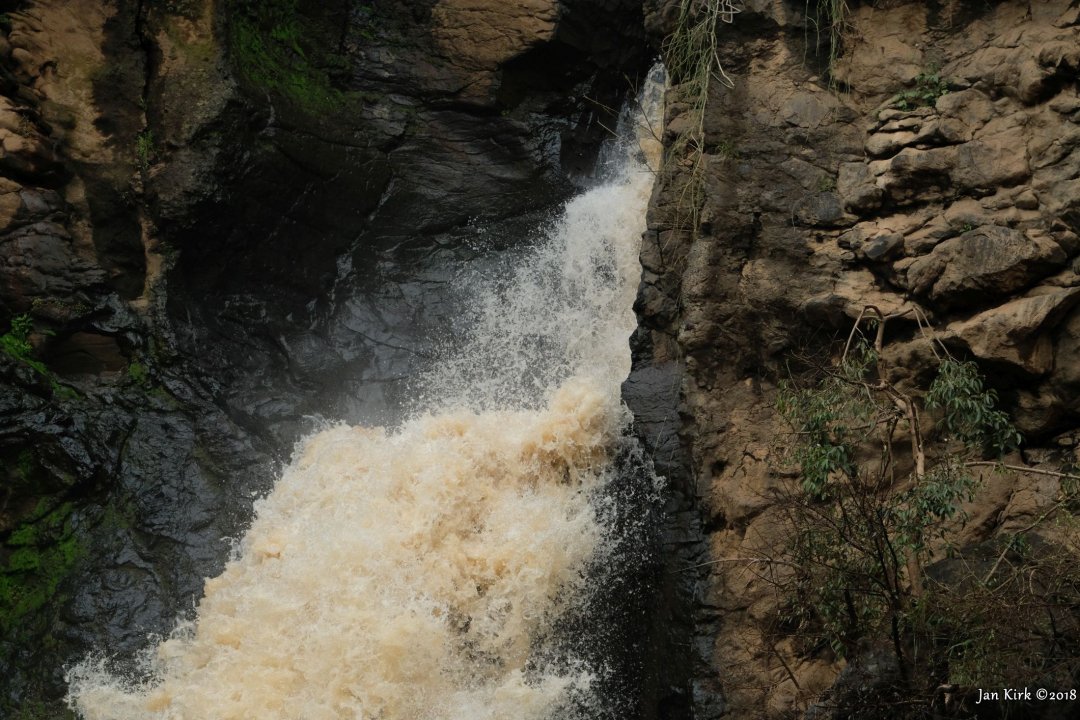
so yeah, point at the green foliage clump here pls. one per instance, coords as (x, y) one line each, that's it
(929, 86)
(969, 408)
(144, 148)
(267, 46)
(861, 532)
(16, 343)
(877, 491)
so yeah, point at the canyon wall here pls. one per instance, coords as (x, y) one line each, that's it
(224, 223)
(931, 170)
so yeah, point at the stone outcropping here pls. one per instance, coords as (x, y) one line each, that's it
(932, 170)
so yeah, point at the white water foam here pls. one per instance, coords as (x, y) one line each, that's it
(409, 575)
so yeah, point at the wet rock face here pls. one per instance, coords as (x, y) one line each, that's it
(214, 240)
(937, 173)
(313, 205)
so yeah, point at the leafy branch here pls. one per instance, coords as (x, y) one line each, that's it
(876, 492)
(878, 498)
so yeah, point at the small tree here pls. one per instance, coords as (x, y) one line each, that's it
(873, 499)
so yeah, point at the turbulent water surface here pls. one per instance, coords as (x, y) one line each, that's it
(413, 574)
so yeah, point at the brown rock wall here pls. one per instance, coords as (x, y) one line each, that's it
(934, 166)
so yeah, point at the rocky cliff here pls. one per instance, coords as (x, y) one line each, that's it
(219, 220)
(921, 160)
(222, 221)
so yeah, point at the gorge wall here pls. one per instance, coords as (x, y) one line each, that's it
(227, 220)
(224, 222)
(932, 166)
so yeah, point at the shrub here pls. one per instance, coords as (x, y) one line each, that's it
(929, 86)
(878, 494)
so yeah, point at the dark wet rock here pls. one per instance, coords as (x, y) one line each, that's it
(651, 393)
(215, 258)
(1066, 379)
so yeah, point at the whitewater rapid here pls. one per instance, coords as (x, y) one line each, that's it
(412, 574)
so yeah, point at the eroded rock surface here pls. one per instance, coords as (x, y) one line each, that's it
(930, 172)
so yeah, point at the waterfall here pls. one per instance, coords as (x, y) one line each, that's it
(413, 574)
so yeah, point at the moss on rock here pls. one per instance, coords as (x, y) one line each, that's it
(272, 47)
(34, 560)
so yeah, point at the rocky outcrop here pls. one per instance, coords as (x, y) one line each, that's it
(931, 172)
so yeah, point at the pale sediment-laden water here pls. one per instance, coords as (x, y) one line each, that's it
(415, 573)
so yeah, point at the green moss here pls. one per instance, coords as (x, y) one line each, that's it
(25, 535)
(267, 47)
(137, 373)
(55, 306)
(38, 710)
(39, 555)
(16, 343)
(144, 149)
(25, 465)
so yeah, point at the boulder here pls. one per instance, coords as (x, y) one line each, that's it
(971, 107)
(857, 190)
(983, 263)
(1015, 333)
(913, 175)
(997, 156)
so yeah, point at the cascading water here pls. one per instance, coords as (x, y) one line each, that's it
(415, 574)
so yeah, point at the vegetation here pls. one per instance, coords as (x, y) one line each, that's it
(16, 343)
(137, 373)
(34, 561)
(39, 710)
(869, 564)
(267, 45)
(144, 148)
(691, 53)
(38, 555)
(929, 86)
(693, 63)
(830, 16)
